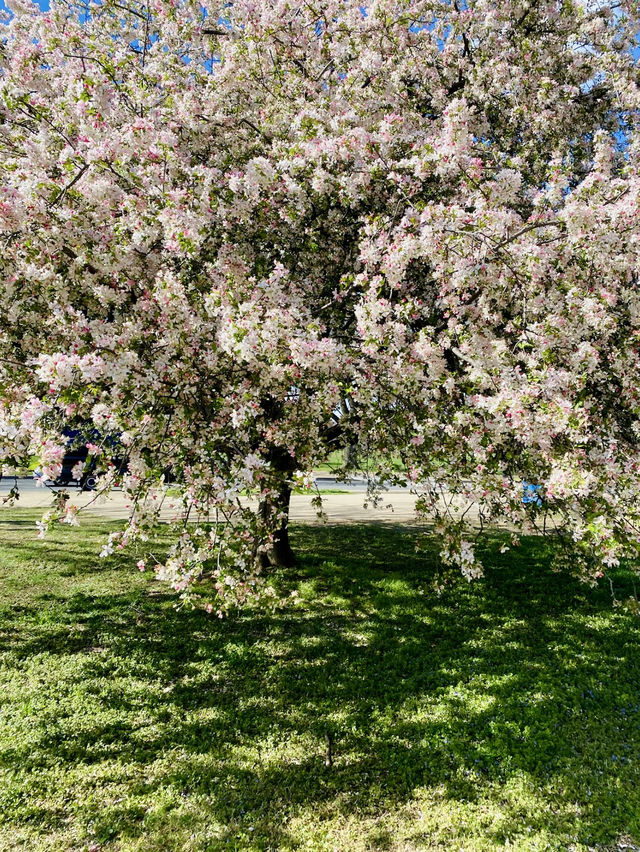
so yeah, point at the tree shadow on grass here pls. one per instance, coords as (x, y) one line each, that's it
(369, 692)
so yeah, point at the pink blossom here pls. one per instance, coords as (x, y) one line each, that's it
(219, 288)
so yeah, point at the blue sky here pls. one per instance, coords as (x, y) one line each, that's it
(44, 4)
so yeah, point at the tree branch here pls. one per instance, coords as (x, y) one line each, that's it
(66, 188)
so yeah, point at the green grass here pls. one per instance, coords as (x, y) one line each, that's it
(332, 463)
(366, 463)
(504, 714)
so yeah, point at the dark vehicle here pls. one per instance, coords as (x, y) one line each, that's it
(77, 452)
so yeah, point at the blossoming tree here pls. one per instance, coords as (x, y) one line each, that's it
(238, 235)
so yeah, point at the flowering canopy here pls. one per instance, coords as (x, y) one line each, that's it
(237, 235)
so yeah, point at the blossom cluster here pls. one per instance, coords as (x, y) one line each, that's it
(238, 236)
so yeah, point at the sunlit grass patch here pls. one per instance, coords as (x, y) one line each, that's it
(372, 715)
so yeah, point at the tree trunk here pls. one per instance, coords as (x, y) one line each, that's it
(351, 455)
(279, 553)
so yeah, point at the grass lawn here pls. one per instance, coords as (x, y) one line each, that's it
(365, 462)
(504, 714)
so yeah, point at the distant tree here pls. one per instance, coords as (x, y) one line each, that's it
(241, 235)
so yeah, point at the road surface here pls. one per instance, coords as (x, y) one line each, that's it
(324, 482)
(396, 505)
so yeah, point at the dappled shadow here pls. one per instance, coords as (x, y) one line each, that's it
(369, 690)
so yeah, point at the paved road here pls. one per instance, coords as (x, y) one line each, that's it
(324, 481)
(397, 505)
(356, 484)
